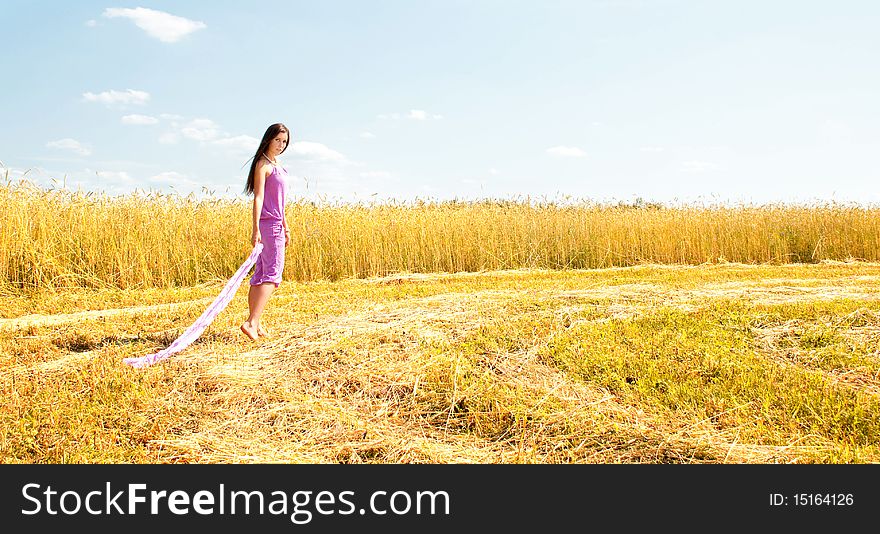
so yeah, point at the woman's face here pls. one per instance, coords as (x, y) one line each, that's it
(277, 145)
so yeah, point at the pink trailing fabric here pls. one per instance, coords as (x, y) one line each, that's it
(193, 332)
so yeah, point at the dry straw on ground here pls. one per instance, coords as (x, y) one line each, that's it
(472, 368)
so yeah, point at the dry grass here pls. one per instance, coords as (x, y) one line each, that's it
(568, 333)
(62, 239)
(648, 364)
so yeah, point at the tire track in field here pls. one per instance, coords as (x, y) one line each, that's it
(770, 341)
(37, 320)
(47, 367)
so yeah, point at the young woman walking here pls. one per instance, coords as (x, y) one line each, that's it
(267, 182)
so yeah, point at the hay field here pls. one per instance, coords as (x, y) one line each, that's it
(717, 361)
(57, 238)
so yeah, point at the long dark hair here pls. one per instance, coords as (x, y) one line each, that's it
(270, 134)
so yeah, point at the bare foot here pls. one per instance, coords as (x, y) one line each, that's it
(262, 332)
(249, 331)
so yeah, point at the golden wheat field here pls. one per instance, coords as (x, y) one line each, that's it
(441, 332)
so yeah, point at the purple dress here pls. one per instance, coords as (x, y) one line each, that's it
(270, 263)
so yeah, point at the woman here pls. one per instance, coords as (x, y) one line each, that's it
(267, 181)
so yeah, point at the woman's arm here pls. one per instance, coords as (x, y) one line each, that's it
(286, 228)
(259, 189)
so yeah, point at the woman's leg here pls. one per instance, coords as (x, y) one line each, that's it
(257, 300)
(258, 296)
(267, 276)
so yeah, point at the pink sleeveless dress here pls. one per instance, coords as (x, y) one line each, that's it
(270, 263)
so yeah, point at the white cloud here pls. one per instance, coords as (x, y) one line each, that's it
(836, 130)
(375, 174)
(202, 123)
(115, 176)
(169, 138)
(70, 144)
(239, 142)
(91, 23)
(494, 171)
(700, 166)
(422, 115)
(315, 151)
(414, 114)
(129, 96)
(210, 134)
(206, 132)
(201, 130)
(12, 174)
(166, 27)
(566, 152)
(651, 149)
(139, 119)
(368, 135)
(170, 177)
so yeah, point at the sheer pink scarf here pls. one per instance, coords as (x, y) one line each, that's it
(193, 332)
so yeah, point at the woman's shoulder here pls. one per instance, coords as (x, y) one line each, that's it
(277, 166)
(265, 165)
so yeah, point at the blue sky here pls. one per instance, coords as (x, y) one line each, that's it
(673, 101)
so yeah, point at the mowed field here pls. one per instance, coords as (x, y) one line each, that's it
(712, 363)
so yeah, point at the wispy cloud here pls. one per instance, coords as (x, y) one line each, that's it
(422, 115)
(566, 152)
(112, 97)
(201, 130)
(71, 145)
(697, 166)
(315, 151)
(242, 143)
(139, 120)
(115, 176)
(206, 132)
(651, 149)
(169, 138)
(170, 177)
(196, 129)
(836, 130)
(368, 135)
(414, 114)
(375, 174)
(163, 26)
(7, 172)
